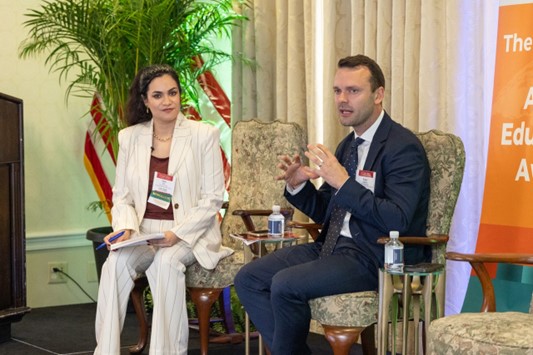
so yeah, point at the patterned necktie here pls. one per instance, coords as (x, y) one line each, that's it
(337, 214)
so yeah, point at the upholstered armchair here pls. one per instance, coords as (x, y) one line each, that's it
(345, 317)
(489, 332)
(253, 191)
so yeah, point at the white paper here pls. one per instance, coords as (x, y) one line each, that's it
(138, 240)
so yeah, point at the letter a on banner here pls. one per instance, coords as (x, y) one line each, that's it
(507, 211)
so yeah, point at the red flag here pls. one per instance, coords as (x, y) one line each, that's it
(98, 148)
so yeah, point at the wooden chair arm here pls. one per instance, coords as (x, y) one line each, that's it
(477, 261)
(429, 240)
(247, 215)
(509, 258)
(312, 228)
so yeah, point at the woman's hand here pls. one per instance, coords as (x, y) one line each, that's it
(169, 240)
(125, 236)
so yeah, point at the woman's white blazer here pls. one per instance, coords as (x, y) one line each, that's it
(196, 164)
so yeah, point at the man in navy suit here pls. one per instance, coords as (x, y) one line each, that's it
(377, 181)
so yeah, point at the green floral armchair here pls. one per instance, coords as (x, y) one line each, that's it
(489, 332)
(345, 317)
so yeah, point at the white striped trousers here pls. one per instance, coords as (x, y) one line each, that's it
(165, 270)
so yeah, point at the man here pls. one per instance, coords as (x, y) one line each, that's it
(379, 185)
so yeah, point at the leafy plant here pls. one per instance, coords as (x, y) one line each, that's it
(98, 46)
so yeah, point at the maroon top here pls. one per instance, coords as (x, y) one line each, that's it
(153, 211)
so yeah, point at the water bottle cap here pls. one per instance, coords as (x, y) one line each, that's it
(394, 234)
(276, 208)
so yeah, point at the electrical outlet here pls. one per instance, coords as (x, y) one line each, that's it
(57, 277)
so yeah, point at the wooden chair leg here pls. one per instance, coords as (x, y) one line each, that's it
(203, 299)
(368, 340)
(341, 339)
(140, 311)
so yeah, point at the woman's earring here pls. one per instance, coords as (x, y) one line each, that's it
(147, 109)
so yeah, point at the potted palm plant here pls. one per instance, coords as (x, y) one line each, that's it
(97, 47)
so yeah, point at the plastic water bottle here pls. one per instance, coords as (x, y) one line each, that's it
(394, 253)
(276, 223)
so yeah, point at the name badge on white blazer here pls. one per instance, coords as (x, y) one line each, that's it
(162, 189)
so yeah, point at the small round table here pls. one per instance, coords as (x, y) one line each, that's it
(404, 289)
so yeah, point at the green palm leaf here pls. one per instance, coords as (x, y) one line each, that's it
(99, 45)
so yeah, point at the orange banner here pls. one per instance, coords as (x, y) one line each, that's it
(507, 211)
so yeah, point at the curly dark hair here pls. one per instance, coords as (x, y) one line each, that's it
(377, 79)
(135, 109)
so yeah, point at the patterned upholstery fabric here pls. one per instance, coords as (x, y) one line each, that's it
(446, 157)
(346, 310)
(255, 149)
(482, 333)
(220, 277)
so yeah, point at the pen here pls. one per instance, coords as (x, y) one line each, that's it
(112, 239)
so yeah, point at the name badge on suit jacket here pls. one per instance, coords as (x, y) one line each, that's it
(367, 178)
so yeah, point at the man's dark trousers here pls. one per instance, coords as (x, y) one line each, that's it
(275, 289)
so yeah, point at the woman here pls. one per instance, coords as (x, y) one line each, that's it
(180, 159)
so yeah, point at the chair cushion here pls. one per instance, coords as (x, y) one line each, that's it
(358, 309)
(482, 333)
(221, 276)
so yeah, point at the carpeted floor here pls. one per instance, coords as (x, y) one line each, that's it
(70, 330)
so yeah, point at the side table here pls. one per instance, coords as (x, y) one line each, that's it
(404, 289)
(255, 246)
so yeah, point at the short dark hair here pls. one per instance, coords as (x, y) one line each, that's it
(135, 108)
(377, 78)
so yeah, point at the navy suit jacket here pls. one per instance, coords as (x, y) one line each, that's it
(399, 202)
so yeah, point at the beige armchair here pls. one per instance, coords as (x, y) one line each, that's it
(345, 317)
(489, 332)
(253, 190)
